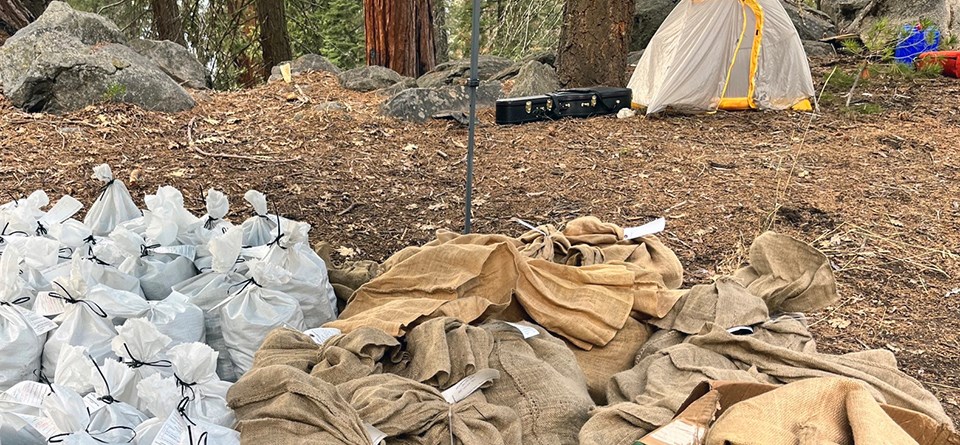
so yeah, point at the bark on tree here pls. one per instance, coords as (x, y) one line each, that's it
(13, 16)
(440, 32)
(594, 42)
(400, 35)
(167, 23)
(274, 37)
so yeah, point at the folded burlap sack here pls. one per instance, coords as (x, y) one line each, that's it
(285, 346)
(441, 352)
(539, 378)
(601, 363)
(814, 411)
(616, 424)
(353, 355)
(282, 405)
(409, 412)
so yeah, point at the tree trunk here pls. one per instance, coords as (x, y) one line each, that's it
(441, 34)
(400, 35)
(274, 38)
(13, 16)
(167, 23)
(594, 42)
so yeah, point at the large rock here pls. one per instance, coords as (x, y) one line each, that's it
(814, 48)
(457, 72)
(843, 11)
(420, 104)
(546, 57)
(405, 84)
(535, 78)
(811, 24)
(176, 61)
(895, 12)
(66, 60)
(369, 78)
(306, 63)
(647, 18)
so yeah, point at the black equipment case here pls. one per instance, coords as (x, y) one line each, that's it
(588, 102)
(521, 110)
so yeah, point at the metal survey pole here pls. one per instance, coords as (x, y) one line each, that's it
(471, 138)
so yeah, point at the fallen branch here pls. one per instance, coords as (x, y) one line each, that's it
(858, 20)
(193, 146)
(350, 207)
(856, 82)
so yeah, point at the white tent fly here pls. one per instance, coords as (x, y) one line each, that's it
(724, 54)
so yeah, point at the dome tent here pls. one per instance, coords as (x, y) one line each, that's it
(724, 54)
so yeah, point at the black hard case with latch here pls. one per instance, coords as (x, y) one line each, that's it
(521, 110)
(588, 102)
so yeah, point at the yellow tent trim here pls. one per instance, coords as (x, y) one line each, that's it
(737, 103)
(733, 61)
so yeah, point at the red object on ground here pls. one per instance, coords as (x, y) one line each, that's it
(946, 59)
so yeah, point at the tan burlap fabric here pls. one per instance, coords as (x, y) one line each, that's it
(441, 352)
(281, 405)
(414, 413)
(789, 275)
(725, 303)
(540, 379)
(824, 411)
(284, 346)
(476, 277)
(353, 355)
(601, 363)
(616, 424)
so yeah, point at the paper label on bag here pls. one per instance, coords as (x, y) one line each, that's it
(63, 210)
(527, 331)
(470, 385)
(376, 436)
(28, 393)
(741, 330)
(171, 430)
(188, 252)
(677, 432)
(529, 226)
(321, 335)
(40, 324)
(48, 306)
(651, 228)
(43, 425)
(92, 403)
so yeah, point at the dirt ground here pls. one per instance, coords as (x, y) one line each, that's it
(876, 187)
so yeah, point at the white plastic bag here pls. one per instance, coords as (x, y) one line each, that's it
(60, 213)
(204, 395)
(140, 347)
(22, 332)
(66, 411)
(261, 228)
(113, 206)
(18, 405)
(308, 272)
(209, 289)
(74, 369)
(114, 384)
(250, 313)
(94, 271)
(167, 219)
(177, 318)
(157, 267)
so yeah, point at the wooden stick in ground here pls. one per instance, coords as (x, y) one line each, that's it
(856, 82)
(198, 150)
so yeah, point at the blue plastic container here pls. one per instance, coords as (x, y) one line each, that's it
(916, 42)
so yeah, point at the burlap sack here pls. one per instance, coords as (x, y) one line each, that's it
(725, 303)
(280, 405)
(441, 352)
(474, 277)
(539, 378)
(353, 355)
(601, 363)
(813, 411)
(285, 346)
(617, 424)
(414, 413)
(789, 275)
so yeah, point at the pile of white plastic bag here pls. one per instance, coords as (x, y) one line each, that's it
(129, 326)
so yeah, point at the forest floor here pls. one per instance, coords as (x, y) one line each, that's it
(876, 186)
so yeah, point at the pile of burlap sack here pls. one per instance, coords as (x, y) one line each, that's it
(573, 335)
(130, 325)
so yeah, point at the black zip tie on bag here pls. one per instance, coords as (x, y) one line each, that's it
(20, 300)
(59, 438)
(3, 233)
(280, 234)
(182, 405)
(210, 223)
(68, 250)
(43, 379)
(145, 249)
(103, 190)
(135, 363)
(108, 399)
(201, 439)
(69, 299)
(243, 285)
(41, 230)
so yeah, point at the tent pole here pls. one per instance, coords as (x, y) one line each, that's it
(471, 138)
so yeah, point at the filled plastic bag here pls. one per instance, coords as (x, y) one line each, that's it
(203, 394)
(114, 386)
(308, 280)
(61, 212)
(22, 332)
(261, 228)
(208, 227)
(113, 206)
(210, 289)
(70, 422)
(74, 369)
(177, 318)
(166, 219)
(158, 268)
(19, 406)
(95, 272)
(140, 347)
(250, 313)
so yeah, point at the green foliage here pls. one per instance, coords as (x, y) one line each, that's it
(509, 28)
(332, 28)
(114, 92)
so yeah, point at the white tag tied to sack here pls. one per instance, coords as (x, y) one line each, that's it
(527, 331)
(469, 385)
(651, 228)
(321, 335)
